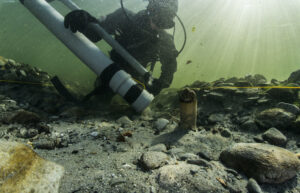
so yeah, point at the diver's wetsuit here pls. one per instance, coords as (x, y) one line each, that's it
(143, 43)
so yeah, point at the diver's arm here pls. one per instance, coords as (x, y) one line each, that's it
(110, 23)
(168, 55)
(78, 20)
(168, 68)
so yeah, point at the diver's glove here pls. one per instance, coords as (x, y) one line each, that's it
(155, 87)
(78, 20)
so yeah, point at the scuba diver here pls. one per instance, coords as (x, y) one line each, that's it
(142, 34)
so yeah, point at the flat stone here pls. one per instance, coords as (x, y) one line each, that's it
(216, 96)
(274, 137)
(200, 162)
(265, 163)
(153, 159)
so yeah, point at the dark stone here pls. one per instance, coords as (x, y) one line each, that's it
(274, 137)
(294, 77)
(226, 133)
(283, 94)
(275, 117)
(289, 107)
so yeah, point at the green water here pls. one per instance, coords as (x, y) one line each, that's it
(225, 38)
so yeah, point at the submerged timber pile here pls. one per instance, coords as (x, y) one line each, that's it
(246, 138)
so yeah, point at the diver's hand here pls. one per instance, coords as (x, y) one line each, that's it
(155, 87)
(78, 20)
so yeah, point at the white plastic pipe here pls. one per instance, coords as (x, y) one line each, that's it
(88, 53)
(113, 43)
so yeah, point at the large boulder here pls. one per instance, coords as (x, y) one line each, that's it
(275, 117)
(265, 163)
(22, 170)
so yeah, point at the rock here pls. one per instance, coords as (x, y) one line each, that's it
(289, 107)
(186, 178)
(153, 160)
(22, 73)
(274, 137)
(161, 123)
(218, 117)
(22, 170)
(294, 77)
(275, 117)
(249, 125)
(24, 117)
(243, 84)
(44, 144)
(124, 121)
(200, 162)
(265, 163)
(232, 80)
(215, 96)
(187, 156)
(259, 79)
(95, 134)
(282, 94)
(32, 133)
(296, 125)
(12, 62)
(73, 112)
(253, 187)
(175, 151)
(226, 133)
(159, 147)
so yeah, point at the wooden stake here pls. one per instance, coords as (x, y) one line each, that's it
(188, 109)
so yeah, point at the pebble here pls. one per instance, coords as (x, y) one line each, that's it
(159, 147)
(95, 134)
(253, 186)
(218, 117)
(161, 123)
(124, 121)
(152, 159)
(226, 133)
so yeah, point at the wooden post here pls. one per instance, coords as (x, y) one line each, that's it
(188, 109)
